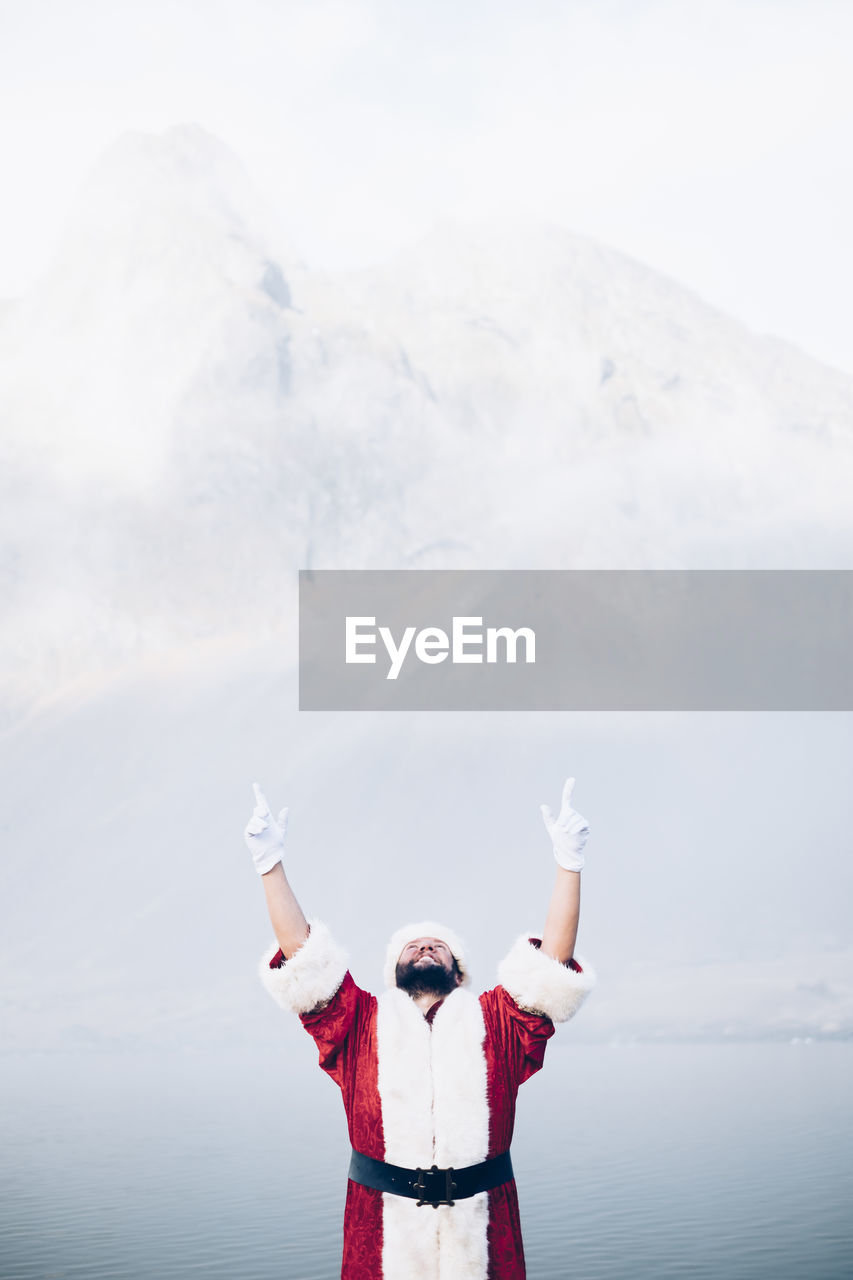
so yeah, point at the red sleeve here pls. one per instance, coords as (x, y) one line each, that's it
(522, 1036)
(338, 1026)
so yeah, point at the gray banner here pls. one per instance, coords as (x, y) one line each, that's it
(576, 640)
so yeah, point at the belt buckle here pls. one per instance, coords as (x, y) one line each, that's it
(422, 1187)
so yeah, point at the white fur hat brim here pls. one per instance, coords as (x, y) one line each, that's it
(423, 929)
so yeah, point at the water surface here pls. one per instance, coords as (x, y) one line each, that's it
(641, 1161)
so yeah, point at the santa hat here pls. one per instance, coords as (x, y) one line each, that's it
(425, 929)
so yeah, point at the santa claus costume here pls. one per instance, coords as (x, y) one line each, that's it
(422, 1091)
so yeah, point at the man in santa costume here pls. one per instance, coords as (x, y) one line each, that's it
(429, 1072)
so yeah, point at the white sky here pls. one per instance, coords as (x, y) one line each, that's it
(709, 138)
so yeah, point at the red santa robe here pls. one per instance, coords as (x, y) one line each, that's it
(429, 1090)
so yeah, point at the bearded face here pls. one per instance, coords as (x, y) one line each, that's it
(427, 967)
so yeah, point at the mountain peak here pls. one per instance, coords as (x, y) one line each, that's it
(181, 184)
(186, 166)
(166, 266)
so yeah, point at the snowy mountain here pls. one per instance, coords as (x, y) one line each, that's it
(189, 412)
(189, 415)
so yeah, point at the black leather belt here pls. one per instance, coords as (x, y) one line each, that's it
(431, 1186)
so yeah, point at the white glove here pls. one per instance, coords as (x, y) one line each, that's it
(265, 836)
(568, 832)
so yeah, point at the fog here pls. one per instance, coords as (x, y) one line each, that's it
(715, 894)
(701, 138)
(210, 380)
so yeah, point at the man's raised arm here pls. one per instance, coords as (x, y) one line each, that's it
(568, 832)
(265, 839)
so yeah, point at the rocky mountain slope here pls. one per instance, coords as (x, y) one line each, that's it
(189, 411)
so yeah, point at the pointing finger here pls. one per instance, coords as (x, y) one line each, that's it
(567, 792)
(260, 799)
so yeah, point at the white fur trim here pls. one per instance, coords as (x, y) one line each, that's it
(433, 1088)
(409, 1239)
(540, 984)
(423, 929)
(460, 1102)
(463, 1239)
(447, 1243)
(404, 1079)
(310, 977)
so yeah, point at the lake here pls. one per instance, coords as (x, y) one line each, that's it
(641, 1161)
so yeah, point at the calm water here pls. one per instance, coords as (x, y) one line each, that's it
(730, 1161)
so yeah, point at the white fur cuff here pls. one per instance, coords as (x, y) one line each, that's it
(540, 984)
(310, 977)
